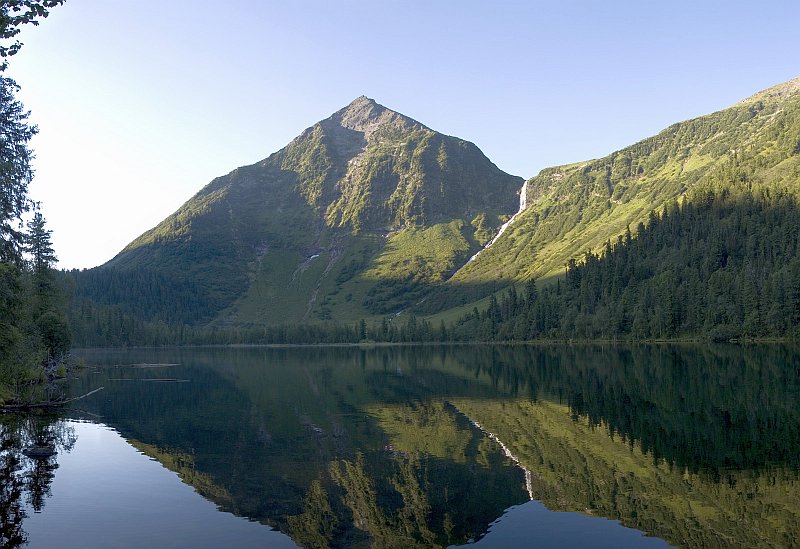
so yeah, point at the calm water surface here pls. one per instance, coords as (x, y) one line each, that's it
(648, 446)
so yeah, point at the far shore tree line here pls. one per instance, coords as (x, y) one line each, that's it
(723, 264)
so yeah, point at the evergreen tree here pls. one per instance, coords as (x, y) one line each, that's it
(14, 14)
(30, 326)
(15, 170)
(48, 309)
(39, 245)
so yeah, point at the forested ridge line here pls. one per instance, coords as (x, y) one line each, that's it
(723, 265)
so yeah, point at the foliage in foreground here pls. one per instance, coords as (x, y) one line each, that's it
(33, 331)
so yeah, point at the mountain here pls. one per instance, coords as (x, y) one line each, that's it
(576, 208)
(354, 218)
(369, 214)
(690, 234)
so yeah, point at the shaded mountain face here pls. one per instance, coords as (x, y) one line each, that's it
(351, 219)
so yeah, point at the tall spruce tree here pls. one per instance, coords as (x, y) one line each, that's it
(31, 326)
(15, 131)
(48, 307)
(40, 248)
(15, 170)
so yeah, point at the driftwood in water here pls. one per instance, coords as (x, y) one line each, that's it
(39, 452)
(45, 404)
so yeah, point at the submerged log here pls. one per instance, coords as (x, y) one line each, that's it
(44, 404)
(39, 452)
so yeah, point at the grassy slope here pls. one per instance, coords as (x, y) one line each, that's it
(578, 207)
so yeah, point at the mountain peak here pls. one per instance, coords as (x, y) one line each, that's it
(360, 114)
(361, 100)
(365, 115)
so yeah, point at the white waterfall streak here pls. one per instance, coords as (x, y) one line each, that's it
(506, 451)
(523, 203)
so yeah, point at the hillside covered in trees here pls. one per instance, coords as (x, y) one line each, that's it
(690, 234)
(720, 261)
(721, 267)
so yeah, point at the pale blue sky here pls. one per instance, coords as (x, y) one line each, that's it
(140, 103)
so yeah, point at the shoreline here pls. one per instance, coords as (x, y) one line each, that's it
(530, 343)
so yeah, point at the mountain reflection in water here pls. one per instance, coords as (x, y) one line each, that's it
(343, 447)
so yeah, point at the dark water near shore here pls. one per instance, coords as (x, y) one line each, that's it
(646, 446)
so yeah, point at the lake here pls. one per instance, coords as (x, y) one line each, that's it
(496, 446)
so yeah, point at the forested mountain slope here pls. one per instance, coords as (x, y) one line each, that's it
(724, 264)
(719, 260)
(577, 208)
(354, 218)
(369, 214)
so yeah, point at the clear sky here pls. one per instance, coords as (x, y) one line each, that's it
(140, 103)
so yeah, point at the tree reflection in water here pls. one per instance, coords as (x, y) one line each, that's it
(344, 447)
(29, 444)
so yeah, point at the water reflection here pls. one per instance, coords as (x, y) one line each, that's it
(29, 444)
(410, 446)
(703, 408)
